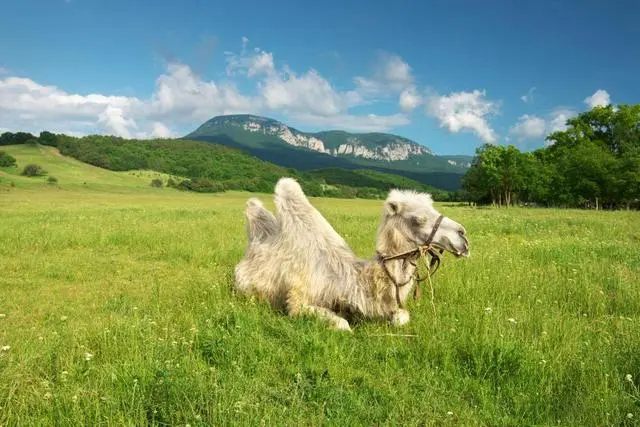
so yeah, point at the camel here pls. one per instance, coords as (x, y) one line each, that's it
(297, 262)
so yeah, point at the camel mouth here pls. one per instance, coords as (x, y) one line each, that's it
(460, 251)
(461, 254)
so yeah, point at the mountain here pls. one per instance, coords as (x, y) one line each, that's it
(275, 142)
(459, 160)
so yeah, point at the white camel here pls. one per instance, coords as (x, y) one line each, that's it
(299, 263)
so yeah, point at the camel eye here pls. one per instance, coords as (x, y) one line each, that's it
(418, 221)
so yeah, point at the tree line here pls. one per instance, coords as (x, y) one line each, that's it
(594, 163)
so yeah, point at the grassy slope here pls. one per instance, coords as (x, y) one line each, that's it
(72, 174)
(117, 309)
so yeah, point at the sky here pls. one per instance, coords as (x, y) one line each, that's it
(449, 74)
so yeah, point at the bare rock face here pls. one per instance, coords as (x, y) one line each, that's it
(392, 149)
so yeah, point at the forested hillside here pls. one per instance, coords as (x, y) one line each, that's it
(206, 167)
(594, 163)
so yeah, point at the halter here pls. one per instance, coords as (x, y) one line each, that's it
(421, 252)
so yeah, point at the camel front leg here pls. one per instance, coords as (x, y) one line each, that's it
(327, 315)
(400, 317)
(297, 306)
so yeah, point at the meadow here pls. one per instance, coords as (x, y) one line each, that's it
(116, 308)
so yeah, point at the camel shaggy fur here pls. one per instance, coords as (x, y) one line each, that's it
(299, 263)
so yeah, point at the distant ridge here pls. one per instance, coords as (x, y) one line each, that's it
(274, 141)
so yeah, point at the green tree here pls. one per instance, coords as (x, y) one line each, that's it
(6, 159)
(33, 170)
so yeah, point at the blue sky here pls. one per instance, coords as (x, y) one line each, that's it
(448, 74)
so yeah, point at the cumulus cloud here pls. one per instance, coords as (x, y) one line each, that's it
(182, 95)
(257, 63)
(464, 111)
(391, 74)
(182, 98)
(115, 122)
(309, 92)
(558, 119)
(160, 130)
(529, 127)
(409, 99)
(532, 127)
(24, 102)
(600, 98)
(356, 123)
(528, 97)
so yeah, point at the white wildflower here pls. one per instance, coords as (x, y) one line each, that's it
(88, 356)
(75, 398)
(629, 415)
(512, 320)
(63, 318)
(48, 395)
(2, 315)
(5, 348)
(629, 378)
(488, 310)
(450, 413)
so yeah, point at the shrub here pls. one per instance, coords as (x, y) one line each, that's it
(33, 170)
(6, 159)
(201, 185)
(52, 180)
(156, 183)
(172, 183)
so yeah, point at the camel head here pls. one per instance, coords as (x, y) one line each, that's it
(408, 220)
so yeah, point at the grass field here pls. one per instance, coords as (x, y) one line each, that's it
(116, 309)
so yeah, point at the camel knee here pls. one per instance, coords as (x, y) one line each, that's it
(400, 317)
(325, 315)
(242, 279)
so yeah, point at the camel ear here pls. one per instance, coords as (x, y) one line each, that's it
(392, 207)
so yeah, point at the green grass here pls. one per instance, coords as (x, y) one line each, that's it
(117, 309)
(72, 174)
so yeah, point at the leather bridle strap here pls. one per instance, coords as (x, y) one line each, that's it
(421, 252)
(433, 230)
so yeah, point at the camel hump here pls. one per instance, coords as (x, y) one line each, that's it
(288, 188)
(253, 204)
(290, 200)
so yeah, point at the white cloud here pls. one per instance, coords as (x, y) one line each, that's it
(255, 64)
(182, 95)
(529, 127)
(600, 98)
(356, 123)
(391, 74)
(114, 121)
(24, 102)
(464, 111)
(160, 130)
(409, 99)
(182, 99)
(309, 93)
(558, 119)
(528, 97)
